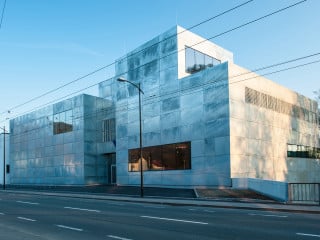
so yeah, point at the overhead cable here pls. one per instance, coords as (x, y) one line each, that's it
(2, 13)
(109, 65)
(90, 115)
(177, 51)
(211, 82)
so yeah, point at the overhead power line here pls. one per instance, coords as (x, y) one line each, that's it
(58, 88)
(278, 71)
(280, 63)
(253, 21)
(225, 32)
(195, 88)
(135, 53)
(207, 39)
(216, 16)
(146, 99)
(2, 13)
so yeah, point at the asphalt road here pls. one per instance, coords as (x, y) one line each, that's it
(47, 217)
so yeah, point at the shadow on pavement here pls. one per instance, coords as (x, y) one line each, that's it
(112, 190)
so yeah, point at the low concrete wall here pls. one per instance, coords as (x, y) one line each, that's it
(273, 189)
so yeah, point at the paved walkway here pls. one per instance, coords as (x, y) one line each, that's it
(252, 204)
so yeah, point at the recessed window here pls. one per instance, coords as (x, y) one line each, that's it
(62, 122)
(197, 61)
(300, 151)
(108, 130)
(269, 102)
(175, 156)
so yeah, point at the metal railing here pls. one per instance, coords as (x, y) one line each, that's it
(304, 193)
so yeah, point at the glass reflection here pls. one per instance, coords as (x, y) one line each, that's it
(62, 122)
(197, 61)
(300, 151)
(175, 156)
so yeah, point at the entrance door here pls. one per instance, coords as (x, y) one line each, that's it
(113, 174)
(111, 167)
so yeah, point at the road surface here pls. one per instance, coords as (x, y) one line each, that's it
(35, 217)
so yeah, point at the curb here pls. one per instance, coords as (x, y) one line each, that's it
(181, 202)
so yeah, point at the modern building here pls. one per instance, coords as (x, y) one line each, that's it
(63, 144)
(206, 122)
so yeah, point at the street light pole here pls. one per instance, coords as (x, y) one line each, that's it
(140, 144)
(4, 157)
(140, 132)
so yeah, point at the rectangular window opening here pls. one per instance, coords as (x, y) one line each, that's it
(269, 102)
(108, 130)
(197, 61)
(63, 122)
(176, 156)
(300, 151)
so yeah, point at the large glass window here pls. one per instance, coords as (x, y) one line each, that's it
(62, 122)
(197, 61)
(175, 156)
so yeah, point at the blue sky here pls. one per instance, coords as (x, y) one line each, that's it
(47, 43)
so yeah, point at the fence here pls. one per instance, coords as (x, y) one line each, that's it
(304, 193)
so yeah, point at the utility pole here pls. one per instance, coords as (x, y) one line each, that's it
(4, 157)
(138, 86)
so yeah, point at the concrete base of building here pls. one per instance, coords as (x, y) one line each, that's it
(274, 189)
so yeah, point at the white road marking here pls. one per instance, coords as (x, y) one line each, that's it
(267, 215)
(195, 209)
(27, 219)
(309, 235)
(209, 211)
(82, 209)
(31, 203)
(70, 228)
(117, 204)
(154, 206)
(116, 237)
(175, 220)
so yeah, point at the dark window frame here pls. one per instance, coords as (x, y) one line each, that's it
(301, 151)
(167, 157)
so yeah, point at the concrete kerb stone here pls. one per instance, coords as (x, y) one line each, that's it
(182, 202)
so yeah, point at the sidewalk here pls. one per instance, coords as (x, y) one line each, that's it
(243, 203)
